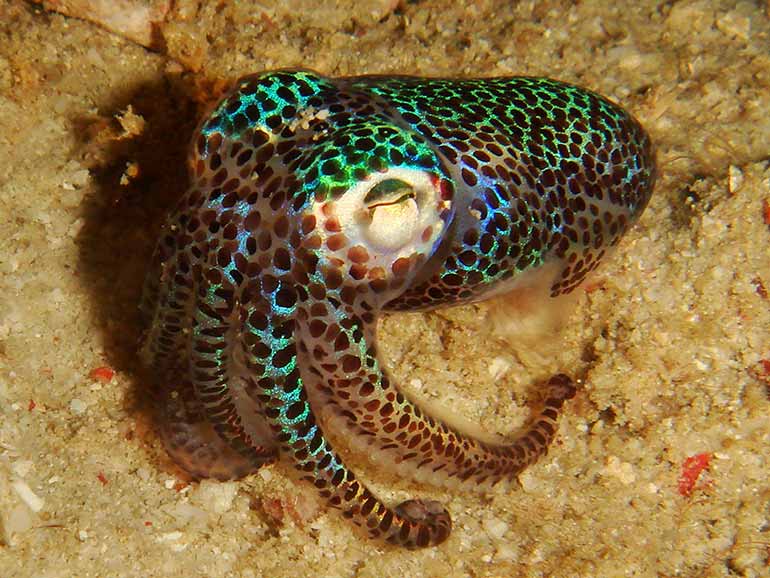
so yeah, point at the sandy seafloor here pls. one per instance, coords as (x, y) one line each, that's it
(669, 339)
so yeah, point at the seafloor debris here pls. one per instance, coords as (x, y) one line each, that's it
(103, 374)
(137, 20)
(691, 471)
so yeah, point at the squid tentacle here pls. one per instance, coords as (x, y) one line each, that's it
(282, 393)
(408, 437)
(217, 373)
(186, 431)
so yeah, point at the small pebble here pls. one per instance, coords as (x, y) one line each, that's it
(498, 367)
(495, 527)
(215, 497)
(265, 474)
(77, 406)
(25, 493)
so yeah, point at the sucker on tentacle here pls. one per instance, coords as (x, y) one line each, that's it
(317, 203)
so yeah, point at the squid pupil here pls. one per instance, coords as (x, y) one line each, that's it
(388, 192)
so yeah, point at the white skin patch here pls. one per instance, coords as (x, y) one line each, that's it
(306, 116)
(389, 212)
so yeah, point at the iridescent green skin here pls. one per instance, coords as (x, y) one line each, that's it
(268, 280)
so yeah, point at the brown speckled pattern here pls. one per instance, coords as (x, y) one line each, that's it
(317, 203)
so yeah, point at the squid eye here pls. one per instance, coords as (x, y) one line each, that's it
(393, 214)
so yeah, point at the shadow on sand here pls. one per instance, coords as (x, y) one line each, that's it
(122, 222)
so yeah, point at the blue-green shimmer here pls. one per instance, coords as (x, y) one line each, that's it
(263, 307)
